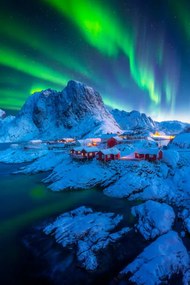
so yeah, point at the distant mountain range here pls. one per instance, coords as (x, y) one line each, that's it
(77, 111)
(133, 120)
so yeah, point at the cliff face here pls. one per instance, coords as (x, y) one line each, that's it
(78, 110)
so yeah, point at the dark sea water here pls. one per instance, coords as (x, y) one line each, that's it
(24, 203)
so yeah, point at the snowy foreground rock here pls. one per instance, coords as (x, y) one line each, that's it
(154, 218)
(159, 261)
(185, 216)
(76, 175)
(88, 232)
(181, 141)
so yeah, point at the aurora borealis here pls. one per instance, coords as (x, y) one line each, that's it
(135, 53)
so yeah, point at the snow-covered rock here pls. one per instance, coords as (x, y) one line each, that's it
(171, 157)
(78, 110)
(87, 232)
(76, 175)
(46, 162)
(185, 216)
(133, 120)
(5, 124)
(154, 218)
(136, 177)
(159, 261)
(18, 155)
(181, 141)
(158, 189)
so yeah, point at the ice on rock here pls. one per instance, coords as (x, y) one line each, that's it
(154, 218)
(87, 232)
(159, 261)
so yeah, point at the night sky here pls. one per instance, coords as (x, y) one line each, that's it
(136, 53)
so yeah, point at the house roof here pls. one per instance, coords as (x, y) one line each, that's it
(112, 150)
(86, 148)
(67, 139)
(90, 149)
(117, 138)
(89, 140)
(79, 148)
(93, 139)
(153, 151)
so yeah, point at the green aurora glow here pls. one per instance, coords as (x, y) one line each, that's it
(104, 32)
(119, 56)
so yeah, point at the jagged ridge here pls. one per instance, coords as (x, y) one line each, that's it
(133, 120)
(78, 110)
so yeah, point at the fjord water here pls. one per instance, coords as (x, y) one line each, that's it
(25, 202)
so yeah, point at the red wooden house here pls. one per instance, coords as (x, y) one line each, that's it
(111, 142)
(84, 152)
(76, 151)
(89, 152)
(108, 154)
(149, 154)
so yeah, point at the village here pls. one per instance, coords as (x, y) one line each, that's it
(107, 147)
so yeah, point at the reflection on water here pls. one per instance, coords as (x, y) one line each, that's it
(25, 201)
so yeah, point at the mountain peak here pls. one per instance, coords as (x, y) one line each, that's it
(77, 110)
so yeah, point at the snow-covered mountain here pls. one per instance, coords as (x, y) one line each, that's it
(133, 120)
(173, 127)
(136, 120)
(78, 110)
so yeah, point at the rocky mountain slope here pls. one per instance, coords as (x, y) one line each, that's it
(76, 111)
(133, 120)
